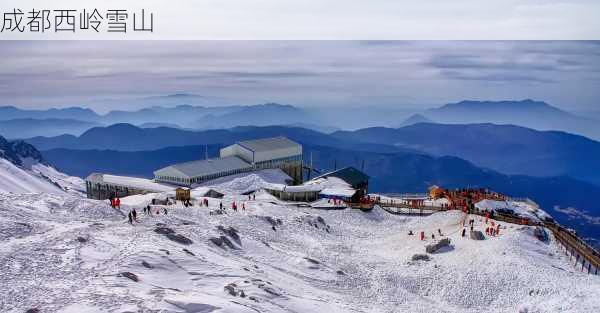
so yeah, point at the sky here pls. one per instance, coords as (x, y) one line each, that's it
(105, 75)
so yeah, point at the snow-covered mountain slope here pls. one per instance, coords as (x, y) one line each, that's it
(23, 170)
(18, 180)
(61, 253)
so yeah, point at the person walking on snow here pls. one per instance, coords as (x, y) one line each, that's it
(464, 231)
(118, 203)
(130, 218)
(134, 214)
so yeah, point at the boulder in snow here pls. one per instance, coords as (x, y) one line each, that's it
(476, 235)
(231, 232)
(420, 257)
(433, 248)
(130, 275)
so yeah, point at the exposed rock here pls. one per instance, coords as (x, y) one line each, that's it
(217, 241)
(189, 252)
(180, 239)
(270, 220)
(270, 290)
(82, 240)
(217, 212)
(313, 261)
(164, 230)
(315, 221)
(420, 257)
(147, 265)
(33, 310)
(170, 233)
(234, 290)
(228, 242)
(476, 235)
(131, 276)
(340, 272)
(432, 248)
(231, 232)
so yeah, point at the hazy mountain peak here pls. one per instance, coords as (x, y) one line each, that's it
(415, 119)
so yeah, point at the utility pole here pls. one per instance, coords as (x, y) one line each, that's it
(206, 151)
(310, 169)
(362, 167)
(335, 164)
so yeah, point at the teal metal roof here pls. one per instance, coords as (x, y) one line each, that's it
(268, 144)
(348, 174)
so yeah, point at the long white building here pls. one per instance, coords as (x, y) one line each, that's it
(243, 156)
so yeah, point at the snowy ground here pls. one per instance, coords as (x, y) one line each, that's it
(61, 253)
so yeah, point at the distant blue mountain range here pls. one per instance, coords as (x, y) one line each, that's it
(526, 113)
(505, 148)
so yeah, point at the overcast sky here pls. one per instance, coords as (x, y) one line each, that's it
(410, 74)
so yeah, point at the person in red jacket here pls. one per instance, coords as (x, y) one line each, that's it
(422, 235)
(118, 203)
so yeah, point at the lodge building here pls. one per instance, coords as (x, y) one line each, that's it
(241, 157)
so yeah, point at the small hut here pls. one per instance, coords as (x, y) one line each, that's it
(183, 194)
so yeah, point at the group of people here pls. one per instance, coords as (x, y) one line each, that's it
(493, 230)
(115, 203)
(335, 201)
(422, 235)
(132, 215)
(235, 207)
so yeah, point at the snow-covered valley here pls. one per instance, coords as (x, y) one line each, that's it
(62, 253)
